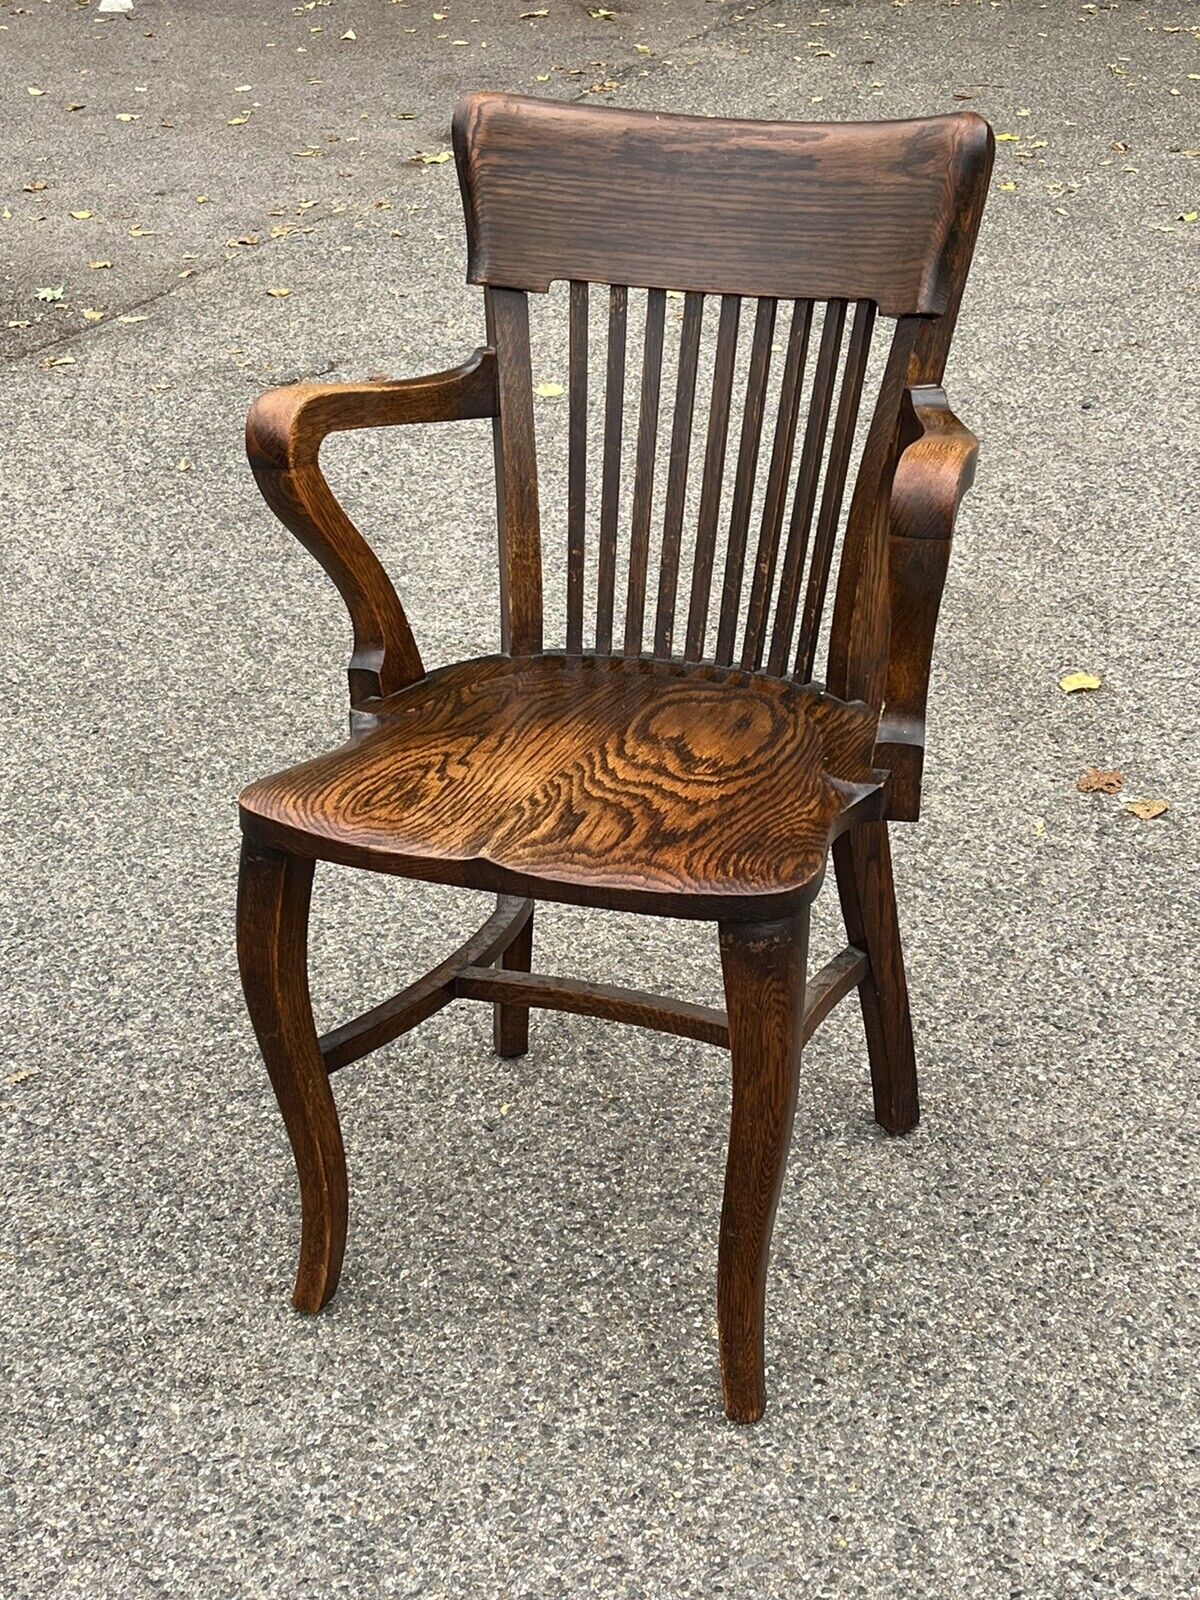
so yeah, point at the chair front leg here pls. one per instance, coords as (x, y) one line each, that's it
(862, 860)
(274, 892)
(764, 970)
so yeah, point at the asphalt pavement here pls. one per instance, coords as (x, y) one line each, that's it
(983, 1339)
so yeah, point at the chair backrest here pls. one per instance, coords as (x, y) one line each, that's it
(828, 228)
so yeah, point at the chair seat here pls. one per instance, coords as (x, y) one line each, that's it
(689, 790)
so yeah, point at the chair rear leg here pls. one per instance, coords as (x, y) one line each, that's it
(862, 860)
(510, 1024)
(274, 892)
(764, 971)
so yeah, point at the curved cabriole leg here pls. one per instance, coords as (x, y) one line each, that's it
(273, 899)
(510, 1024)
(862, 860)
(763, 966)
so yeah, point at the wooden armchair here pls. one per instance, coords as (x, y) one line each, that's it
(682, 765)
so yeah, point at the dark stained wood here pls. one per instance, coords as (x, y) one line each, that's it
(714, 471)
(932, 476)
(640, 785)
(834, 487)
(510, 1022)
(643, 479)
(515, 454)
(812, 452)
(775, 498)
(862, 859)
(677, 470)
(610, 476)
(577, 403)
(505, 928)
(605, 1000)
(285, 431)
(763, 966)
(272, 930)
(743, 484)
(613, 780)
(858, 637)
(818, 211)
(830, 985)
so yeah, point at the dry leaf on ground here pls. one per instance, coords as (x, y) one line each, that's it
(548, 391)
(1097, 781)
(1147, 810)
(1073, 682)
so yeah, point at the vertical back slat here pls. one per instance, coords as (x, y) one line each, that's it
(811, 454)
(610, 474)
(743, 485)
(835, 484)
(577, 425)
(681, 444)
(714, 472)
(507, 312)
(777, 481)
(643, 477)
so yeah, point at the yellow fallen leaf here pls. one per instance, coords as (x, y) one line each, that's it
(1073, 682)
(279, 294)
(1188, 216)
(239, 122)
(1147, 810)
(548, 391)
(82, 216)
(142, 316)
(430, 158)
(91, 314)
(643, 49)
(31, 89)
(59, 361)
(1008, 138)
(22, 1076)
(129, 116)
(138, 232)
(201, 199)
(349, 34)
(183, 465)
(1009, 187)
(96, 265)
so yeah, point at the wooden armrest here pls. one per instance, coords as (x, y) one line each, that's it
(932, 476)
(284, 433)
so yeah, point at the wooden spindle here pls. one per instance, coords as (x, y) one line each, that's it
(754, 640)
(577, 422)
(714, 472)
(643, 477)
(743, 485)
(811, 456)
(677, 470)
(610, 474)
(835, 484)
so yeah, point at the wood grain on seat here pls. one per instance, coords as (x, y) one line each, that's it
(696, 792)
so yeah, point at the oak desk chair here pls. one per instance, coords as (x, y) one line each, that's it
(654, 768)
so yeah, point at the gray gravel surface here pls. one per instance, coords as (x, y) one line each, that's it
(983, 1338)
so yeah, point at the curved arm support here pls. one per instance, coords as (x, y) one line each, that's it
(932, 476)
(284, 433)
